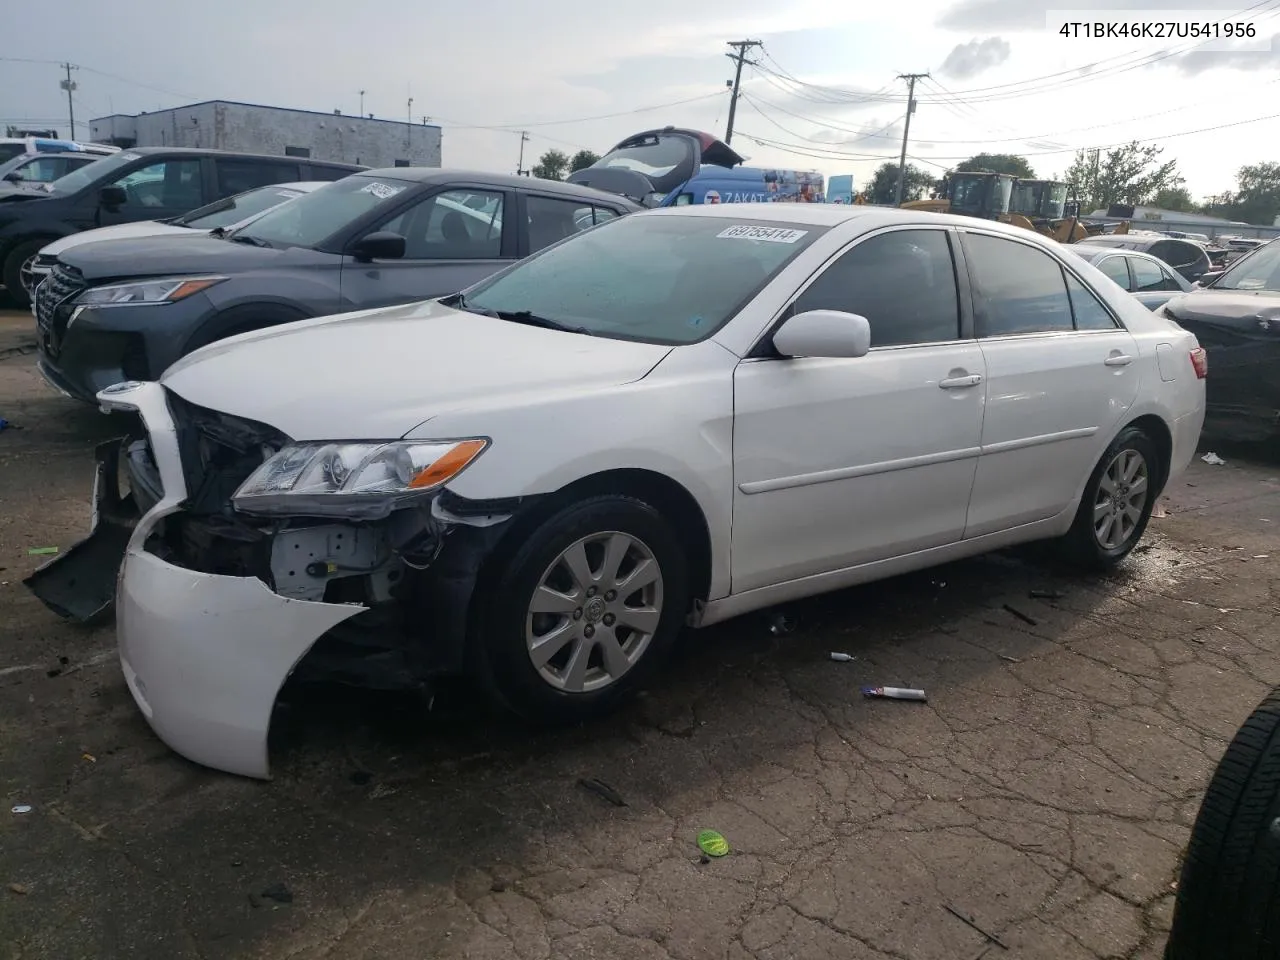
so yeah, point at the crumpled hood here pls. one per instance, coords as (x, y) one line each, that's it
(160, 256)
(1208, 305)
(377, 374)
(121, 231)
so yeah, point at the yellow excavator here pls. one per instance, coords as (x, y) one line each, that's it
(1038, 205)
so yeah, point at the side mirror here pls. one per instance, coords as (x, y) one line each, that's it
(824, 333)
(14, 177)
(112, 196)
(381, 245)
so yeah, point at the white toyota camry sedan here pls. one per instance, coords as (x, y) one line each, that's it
(673, 418)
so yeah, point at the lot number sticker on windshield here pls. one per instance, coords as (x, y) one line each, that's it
(381, 190)
(772, 234)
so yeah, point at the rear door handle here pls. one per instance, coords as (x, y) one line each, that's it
(1118, 360)
(957, 383)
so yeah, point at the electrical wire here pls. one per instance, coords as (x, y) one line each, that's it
(1045, 153)
(1121, 63)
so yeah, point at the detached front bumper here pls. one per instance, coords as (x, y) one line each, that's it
(204, 655)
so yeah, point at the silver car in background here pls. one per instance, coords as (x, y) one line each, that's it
(1148, 278)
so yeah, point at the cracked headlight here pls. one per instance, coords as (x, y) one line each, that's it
(168, 290)
(355, 480)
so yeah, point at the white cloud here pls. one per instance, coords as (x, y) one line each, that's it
(967, 60)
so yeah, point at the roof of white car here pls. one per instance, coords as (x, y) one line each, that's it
(833, 214)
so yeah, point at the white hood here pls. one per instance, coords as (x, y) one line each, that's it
(147, 228)
(377, 374)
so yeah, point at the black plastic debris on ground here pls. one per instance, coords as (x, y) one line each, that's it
(602, 789)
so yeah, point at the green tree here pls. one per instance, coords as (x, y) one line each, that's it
(1008, 163)
(1174, 198)
(551, 165)
(581, 160)
(1132, 174)
(915, 184)
(1257, 198)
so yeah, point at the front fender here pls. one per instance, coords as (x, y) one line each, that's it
(677, 421)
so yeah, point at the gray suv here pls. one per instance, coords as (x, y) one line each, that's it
(126, 309)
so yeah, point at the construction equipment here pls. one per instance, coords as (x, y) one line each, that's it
(970, 193)
(1039, 205)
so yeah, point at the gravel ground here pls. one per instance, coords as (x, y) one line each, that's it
(1045, 790)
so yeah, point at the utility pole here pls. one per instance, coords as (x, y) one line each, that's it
(911, 79)
(69, 86)
(362, 103)
(524, 138)
(739, 57)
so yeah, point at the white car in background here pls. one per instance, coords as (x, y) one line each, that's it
(223, 215)
(676, 417)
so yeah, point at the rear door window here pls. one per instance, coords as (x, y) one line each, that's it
(1017, 288)
(1147, 275)
(237, 176)
(903, 282)
(1117, 269)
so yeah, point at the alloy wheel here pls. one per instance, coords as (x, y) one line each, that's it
(1122, 495)
(594, 612)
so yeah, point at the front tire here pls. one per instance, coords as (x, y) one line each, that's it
(586, 611)
(13, 270)
(1228, 902)
(1117, 502)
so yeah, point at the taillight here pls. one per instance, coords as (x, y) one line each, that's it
(1200, 361)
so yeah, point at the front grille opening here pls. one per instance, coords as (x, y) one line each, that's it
(214, 545)
(133, 361)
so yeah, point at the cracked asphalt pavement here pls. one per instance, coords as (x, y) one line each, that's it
(1045, 791)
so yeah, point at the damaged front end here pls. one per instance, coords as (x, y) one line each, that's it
(238, 557)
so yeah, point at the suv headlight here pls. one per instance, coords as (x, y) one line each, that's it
(168, 290)
(354, 480)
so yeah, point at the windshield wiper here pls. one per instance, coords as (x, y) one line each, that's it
(459, 302)
(533, 320)
(249, 239)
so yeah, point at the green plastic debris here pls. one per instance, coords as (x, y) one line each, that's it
(712, 844)
(41, 551)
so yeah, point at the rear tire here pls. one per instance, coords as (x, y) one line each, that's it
(558, 646)
(1117, 503)
(1228, 902)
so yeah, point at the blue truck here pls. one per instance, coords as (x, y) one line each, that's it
(674, 166)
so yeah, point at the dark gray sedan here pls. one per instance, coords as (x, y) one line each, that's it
(126, 309)
(1148, 278)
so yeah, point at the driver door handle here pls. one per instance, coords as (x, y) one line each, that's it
(957, 383)
(1118, 360)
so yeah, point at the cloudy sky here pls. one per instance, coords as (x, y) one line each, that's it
(579, 74)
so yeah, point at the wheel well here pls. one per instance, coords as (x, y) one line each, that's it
(1158, 431)
(665, 495)
(240, 319)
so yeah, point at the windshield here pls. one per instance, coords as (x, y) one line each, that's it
(657, 278)
(313, 218)
(1259, 270)
(223, 213)
(91, 173)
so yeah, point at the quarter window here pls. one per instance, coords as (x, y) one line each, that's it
(1089, 312)
(903, 282)
(1117, 270)
(1017, 288)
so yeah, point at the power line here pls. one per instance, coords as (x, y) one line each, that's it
(1121, 63)
(795, 148)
